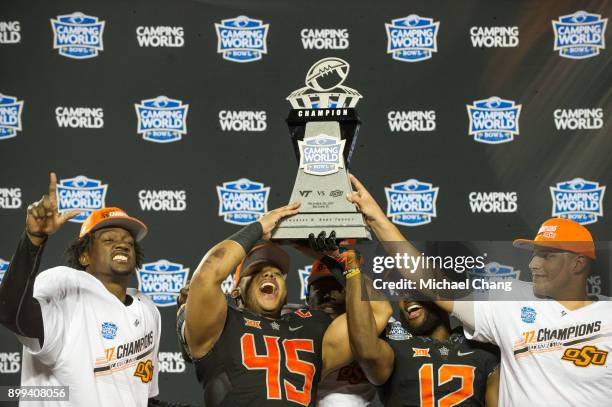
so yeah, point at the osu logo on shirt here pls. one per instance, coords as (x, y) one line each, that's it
(144, 370)
(585, 356)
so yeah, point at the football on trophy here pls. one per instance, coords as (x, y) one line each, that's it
(327, 74)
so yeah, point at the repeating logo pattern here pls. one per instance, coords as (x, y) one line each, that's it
(580, 35)
(10, 116)
(77, 35)
(411, 203)
(162, 119)
(242, 201)
(578, 200)
(162, 281)
(242, 39)
(10, 198)
(82, 193)
(412, 38)
(10, 32)
(494, 120)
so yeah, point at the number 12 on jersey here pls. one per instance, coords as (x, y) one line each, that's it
(271, 363)
(446, 373)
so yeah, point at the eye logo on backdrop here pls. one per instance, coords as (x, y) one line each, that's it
(162, 119)
(77, 35)
(578, 200)
(411, 203)
(10, 116)
(162, 281)
(80, 192)
(242, 39)
(494, 120)
(321, 155)
(304, 273)
(580, 35)
(412, 38)
(242, 201)
(4, 265)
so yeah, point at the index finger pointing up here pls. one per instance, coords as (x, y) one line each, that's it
(356, 183)
(53, 189)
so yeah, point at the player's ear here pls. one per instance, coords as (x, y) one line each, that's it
(235, 294)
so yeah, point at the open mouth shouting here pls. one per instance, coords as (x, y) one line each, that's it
(269, 289)
(414, 311)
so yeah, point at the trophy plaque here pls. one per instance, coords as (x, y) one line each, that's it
(323, 124)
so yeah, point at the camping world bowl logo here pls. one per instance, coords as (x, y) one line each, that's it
(494, 272)
(162, 119)
(109, 330)
(411, 203)
(412, 38)
(10, 116)
(243, 201)
(580, 35)
(321, 155)
(77, 35)
(4, 265)
(162, 281)
(494, 120)
(82, 193)
(578, 200)
(242, 39)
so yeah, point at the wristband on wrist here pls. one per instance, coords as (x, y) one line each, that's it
(248, 236)
(351, 273)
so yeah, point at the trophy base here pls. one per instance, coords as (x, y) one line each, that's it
(346, 226)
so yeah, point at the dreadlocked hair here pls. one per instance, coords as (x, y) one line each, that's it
(79, 246)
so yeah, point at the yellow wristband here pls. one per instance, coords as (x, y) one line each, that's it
(351, 273)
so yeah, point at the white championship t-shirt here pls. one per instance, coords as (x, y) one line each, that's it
(104, 351)
(550, 355)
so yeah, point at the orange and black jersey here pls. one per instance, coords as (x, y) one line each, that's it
(267, 362)
(430, 373)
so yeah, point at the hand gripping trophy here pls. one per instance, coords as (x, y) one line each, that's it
(323, 124)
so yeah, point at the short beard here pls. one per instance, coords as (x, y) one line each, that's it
(431, 322)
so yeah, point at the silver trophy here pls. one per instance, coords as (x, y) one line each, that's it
(323, 126)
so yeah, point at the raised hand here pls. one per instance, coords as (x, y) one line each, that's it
(271, 219)
(349, 259)
(365, 202)
(322, 242)
(43, 217)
